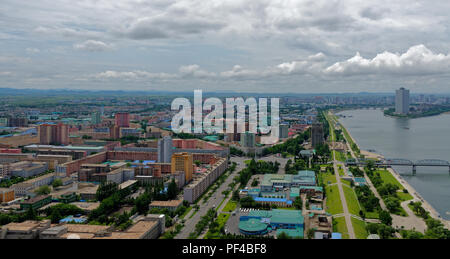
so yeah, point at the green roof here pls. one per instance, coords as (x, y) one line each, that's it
(271, 179)
(252, 225)
(280, 216)
(287, 216)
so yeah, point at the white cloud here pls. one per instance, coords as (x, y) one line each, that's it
(132, 75)
(14, 59)
(418, 60)
(195, 71)
(6, 73)
(32, 50)
(92, 45)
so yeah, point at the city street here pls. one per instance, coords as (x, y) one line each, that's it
(214, 200)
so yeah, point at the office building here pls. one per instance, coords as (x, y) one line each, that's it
(317, 134)
(122, 119)
(183, 162)
(402, 101)
(165, 147)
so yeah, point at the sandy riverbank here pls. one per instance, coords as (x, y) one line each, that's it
(416, 196)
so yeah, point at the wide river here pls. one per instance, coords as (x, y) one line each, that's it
(413, 139)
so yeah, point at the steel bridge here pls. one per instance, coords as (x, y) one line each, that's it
(402, 162)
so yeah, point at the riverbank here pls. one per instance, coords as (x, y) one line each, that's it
(416, 196)
(437, 112)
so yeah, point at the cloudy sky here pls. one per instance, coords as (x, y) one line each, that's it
(302, 46)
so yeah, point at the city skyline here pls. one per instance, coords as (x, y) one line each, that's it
(269, 46)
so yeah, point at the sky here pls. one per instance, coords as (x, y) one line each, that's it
(263, 46)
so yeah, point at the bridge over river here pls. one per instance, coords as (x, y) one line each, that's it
(401, 162)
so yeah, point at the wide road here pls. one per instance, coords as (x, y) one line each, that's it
(214, 200)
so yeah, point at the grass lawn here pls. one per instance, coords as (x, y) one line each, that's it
(340, 226)
(334, 204)
(372, 215)
(220, 204)
(387, 177)
(341, 156)
(231, 206)
(404, 196)
(360, 228)
(347, 182)
(327, 178)
(221, 220)
(352, 200)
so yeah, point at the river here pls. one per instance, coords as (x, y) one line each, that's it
(413, 139)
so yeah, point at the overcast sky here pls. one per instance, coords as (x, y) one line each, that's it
(300, 46)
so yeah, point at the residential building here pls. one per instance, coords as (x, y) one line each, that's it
(122, 119)
(55, 134)
(171, 205)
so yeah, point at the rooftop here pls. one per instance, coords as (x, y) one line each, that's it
(171, 203)
(252, 225)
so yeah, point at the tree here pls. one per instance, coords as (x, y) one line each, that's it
(43, 190)
(197, 163)
(298, 204)
(235, 196)
(385, 218)
(392, 203)
(172, 190)
(31, 214)
(55, 217)
(57, 182)
(283, 235)
(105, 190)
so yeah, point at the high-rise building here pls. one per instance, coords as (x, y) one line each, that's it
(165, 150)
(183, 162)
(53, 134)
(248, 139)
(96, 118)
(284, 131)
(122, 119)
(402, 101)
(317, 134)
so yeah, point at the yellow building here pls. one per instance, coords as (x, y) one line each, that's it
(6, 195)
(183, 162)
